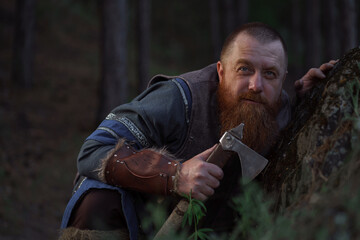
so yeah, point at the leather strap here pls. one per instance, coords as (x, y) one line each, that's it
(144, 171)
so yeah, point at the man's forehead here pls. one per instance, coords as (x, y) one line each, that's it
(246, 45)
(248, 41)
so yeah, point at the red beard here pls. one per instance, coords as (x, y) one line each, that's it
(261, 129)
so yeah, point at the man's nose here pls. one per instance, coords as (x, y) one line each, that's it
(255, 83)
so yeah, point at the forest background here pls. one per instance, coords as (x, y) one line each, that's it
(65, 64)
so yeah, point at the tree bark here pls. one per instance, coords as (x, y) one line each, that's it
(143, 38)
(23, 59)
(114, 80)
(317, 143)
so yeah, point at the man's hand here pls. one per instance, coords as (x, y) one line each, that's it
(198, 176)
(309, 79)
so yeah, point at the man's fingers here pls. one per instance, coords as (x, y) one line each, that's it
(215, 171)
(199, 196)
(202, 192)
(205, 154)
(298, 84)
(316, 73)
(207, 191)
(333, 62)
(326, 67)
(213, 182)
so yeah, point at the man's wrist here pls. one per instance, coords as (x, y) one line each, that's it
(173, 186)
(147, 170)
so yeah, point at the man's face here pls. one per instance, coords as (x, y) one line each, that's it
(251, 78)
(253, 66)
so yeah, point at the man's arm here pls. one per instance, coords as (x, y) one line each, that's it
(155, 118)
(155, 172)
(305, 83)
(149, 121)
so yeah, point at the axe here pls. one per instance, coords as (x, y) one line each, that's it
(230, 143)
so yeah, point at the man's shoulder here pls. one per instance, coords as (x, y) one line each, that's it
(208, 73)
(204, 74)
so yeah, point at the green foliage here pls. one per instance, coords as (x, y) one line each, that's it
(157, 218)
(154, 220)
(257, 221)
(193, 215)
(255, 216)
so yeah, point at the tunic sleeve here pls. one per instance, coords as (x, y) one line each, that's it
(156, 118)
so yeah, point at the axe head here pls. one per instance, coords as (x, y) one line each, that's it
(251, 162)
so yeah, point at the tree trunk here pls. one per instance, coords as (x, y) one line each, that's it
(349, 25)
(215, 28)
(143, 37)
(297, 40)
(243, 11)
(330, 23)
(114, 80)
(312, 34)
(229, 16)
(23, 59)
(317, 144)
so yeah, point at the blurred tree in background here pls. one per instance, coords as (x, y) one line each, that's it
(79, 59)
(113, 85)
(143, 42)
(23, 58)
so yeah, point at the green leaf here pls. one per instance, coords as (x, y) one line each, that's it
(202, 205)
(202, 236)
(190, 218)
(193, 236)
(201, 233)
(196, 210)
(184, 220)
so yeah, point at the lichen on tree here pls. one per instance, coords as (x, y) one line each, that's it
(315, 166)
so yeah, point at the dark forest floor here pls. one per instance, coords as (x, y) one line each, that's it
(42, 128)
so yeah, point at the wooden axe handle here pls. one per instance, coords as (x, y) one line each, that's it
(218, 157)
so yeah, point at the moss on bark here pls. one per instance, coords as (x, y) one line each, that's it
(314, 170)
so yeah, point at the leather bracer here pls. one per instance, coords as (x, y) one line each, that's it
(144, 171)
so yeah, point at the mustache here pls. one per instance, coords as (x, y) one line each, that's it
(251, 96)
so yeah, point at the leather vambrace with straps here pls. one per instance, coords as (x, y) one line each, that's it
(146, 170)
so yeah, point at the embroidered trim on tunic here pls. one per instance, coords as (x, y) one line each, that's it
(140, 136)
(109, 131)
(79, 185)
(184, 99)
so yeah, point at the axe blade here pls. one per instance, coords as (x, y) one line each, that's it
(251, 162)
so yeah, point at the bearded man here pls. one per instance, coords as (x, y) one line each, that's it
(185, 115)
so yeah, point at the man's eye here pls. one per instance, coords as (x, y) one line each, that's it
(270, 74)
(243, 69)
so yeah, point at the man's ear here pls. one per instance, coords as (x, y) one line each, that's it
(285, 76)
(220, 71)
